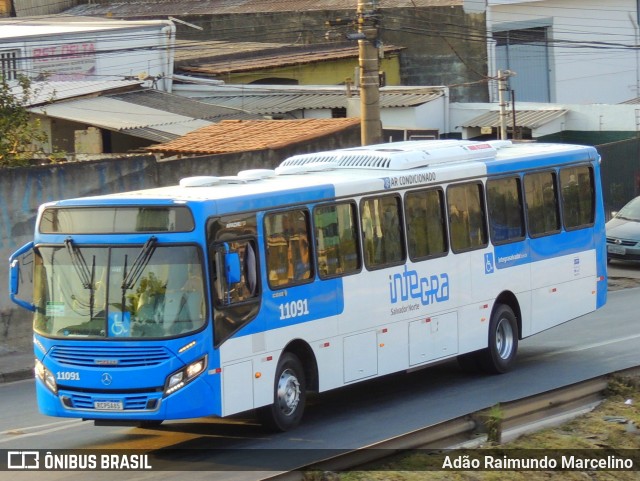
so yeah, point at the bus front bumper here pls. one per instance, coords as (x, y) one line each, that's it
(194, 400)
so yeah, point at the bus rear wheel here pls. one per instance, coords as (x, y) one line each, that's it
(500, 356)
(289, 396)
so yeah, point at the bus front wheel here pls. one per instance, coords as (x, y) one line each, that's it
(289, 395)
(500, 356)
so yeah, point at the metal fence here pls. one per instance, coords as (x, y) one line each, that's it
(620, 173)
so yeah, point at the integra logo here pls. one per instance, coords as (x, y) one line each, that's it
(409, 285)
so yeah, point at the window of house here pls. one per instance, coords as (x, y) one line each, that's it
(9, 64)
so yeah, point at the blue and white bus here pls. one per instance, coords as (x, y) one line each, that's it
(227, 294)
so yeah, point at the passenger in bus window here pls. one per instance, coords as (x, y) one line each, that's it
(299, 258)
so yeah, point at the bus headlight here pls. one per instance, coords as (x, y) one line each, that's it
(46, 376)
(181, 378)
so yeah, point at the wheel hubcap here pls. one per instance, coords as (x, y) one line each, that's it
(504, 339)
(288, 392)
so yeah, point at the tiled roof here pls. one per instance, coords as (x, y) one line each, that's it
(246, 135)
(157, 8)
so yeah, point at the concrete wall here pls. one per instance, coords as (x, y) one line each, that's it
(27, 8)
(22, 190)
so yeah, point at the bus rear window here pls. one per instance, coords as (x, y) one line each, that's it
(112, 220)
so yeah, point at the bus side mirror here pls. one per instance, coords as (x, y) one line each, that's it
(232, 268)
(14, 277)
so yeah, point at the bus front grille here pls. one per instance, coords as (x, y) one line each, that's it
(112, 357)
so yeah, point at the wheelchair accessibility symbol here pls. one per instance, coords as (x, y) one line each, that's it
(119, 324)
(488, 263)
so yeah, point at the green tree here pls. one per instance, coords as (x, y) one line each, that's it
(18, 130)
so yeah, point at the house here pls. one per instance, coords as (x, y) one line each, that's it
(88, 49)
(561, 51)
(565, 51)
(322, 64)
(404, 111)
(443, 41)
(124, 121)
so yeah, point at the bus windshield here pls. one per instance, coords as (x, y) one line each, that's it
(118, 292)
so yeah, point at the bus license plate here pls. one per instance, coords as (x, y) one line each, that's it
(108, 405)
(620, 250)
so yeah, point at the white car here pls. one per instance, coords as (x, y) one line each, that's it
(623, 233)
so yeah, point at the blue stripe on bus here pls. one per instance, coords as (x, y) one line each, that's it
(298, 304)
(539, 161)
(548, 247)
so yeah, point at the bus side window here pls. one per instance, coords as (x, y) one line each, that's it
(504, 203)
(542, 203)
(336, 237)
(425, 219)
(288, 248)
(382, 231)
(576, 184)
(466, 217)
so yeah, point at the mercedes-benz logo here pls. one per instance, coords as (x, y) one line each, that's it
(106, 378)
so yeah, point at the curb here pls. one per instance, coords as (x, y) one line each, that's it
(19, 375)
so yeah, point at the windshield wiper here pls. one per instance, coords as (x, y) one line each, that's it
(144, 256)
(86, 276)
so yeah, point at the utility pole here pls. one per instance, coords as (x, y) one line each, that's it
(503, 75)
(367, 21)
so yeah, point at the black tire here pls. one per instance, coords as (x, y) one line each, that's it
(500, 356)
(289, 396)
